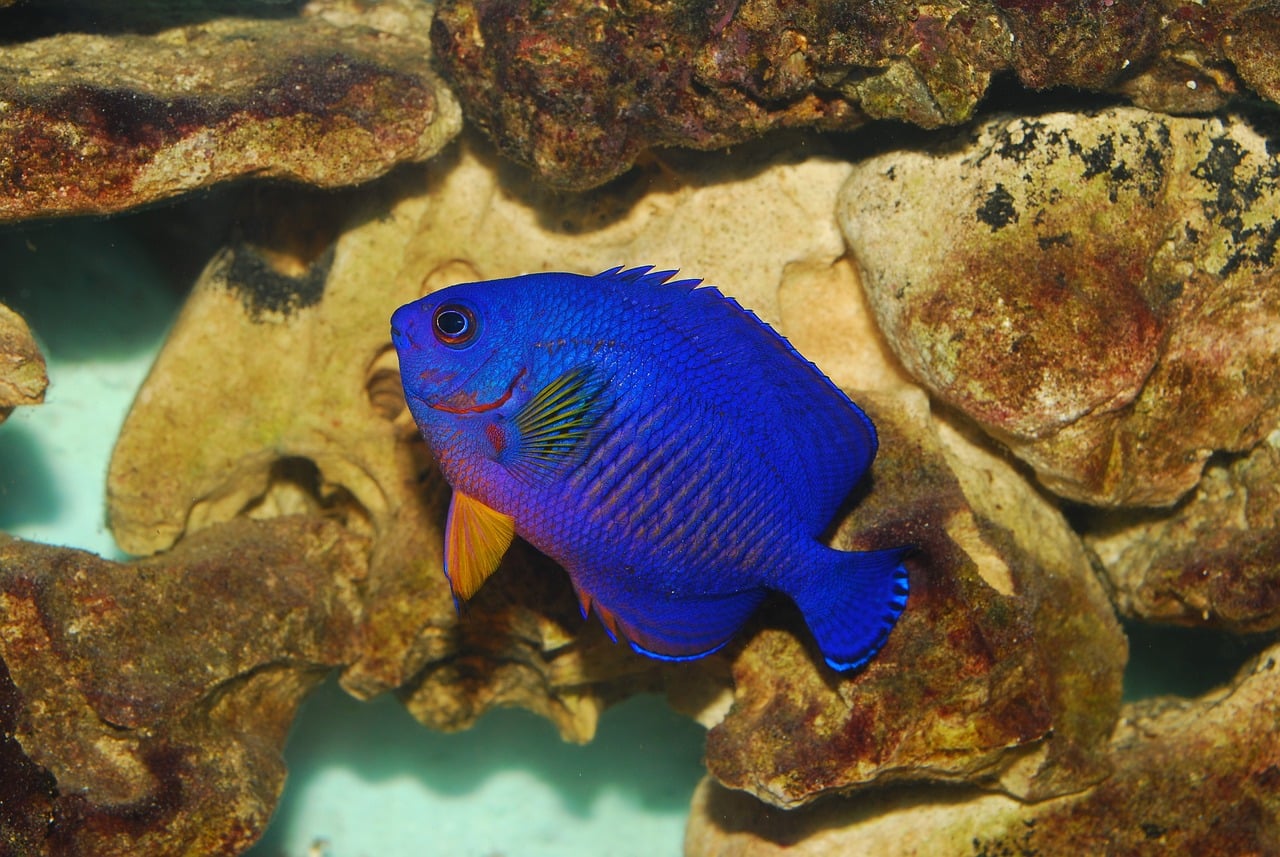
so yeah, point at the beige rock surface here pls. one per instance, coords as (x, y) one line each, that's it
(1213, 560)
(1003, 671)
(22, 372)
(96, 123)
(144, 706)
(1189, 777)
(1093, 290)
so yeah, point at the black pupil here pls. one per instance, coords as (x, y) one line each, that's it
(452, 323)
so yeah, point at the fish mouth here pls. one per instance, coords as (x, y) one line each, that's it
(463, 402)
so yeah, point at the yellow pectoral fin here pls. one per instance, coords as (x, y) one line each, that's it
(475, 539)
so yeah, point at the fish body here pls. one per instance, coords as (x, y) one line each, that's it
(666, 447)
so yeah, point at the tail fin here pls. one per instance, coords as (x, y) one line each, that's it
(852, 602)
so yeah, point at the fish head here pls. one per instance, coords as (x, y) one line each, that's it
(459, 349)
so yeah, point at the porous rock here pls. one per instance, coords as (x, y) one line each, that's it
(992, 612)
(577, 90)
(304, 305)
(1188, 777)
(1213, 560)
(96, 123)
(1003, 671)
(1095, 291)
(22, 372)
(144, 705)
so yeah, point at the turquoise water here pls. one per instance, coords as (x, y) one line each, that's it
(368, 780)
(99, 308)
(365, 779)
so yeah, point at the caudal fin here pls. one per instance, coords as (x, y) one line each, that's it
(851, 602)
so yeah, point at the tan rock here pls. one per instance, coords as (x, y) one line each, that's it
(1209, 561)
(22, 372)
(1091, 289)
(1007, 640)
(144, 706)
(273, 395)
(99, 123)
(1189, 777)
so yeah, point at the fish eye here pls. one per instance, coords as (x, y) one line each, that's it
(454, 324)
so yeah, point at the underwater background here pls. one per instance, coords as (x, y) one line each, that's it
(1036, 242)
(365, 778)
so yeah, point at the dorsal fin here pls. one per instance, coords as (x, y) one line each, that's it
(646, 276)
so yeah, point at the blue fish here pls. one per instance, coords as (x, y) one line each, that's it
(671, 451)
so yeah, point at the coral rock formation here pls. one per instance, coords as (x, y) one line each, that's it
(1188, 777)
(22, 372)
(99, 123)
(143, 706)
(1139, 245)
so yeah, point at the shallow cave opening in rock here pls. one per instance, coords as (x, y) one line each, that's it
(1166, 660)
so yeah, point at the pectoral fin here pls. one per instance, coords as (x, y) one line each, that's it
(475, 539)
(552, 427)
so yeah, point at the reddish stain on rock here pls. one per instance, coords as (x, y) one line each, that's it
(143, 706)
(27, 791)
(968, 677)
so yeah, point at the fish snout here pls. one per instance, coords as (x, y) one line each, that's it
(404, 326)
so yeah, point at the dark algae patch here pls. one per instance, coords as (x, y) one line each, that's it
(997, 209)
(265, 290)
(27, 791)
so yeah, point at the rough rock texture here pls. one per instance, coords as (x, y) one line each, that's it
(306, 313)
(1096, 291)
(328, 430)
(1189, 777)
(22, 373)
(99, 123)
(1007, 637)
(577, 90)
(1213, 560)
(143, 706)
(320, 436)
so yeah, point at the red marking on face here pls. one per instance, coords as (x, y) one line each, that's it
(466, 402)
(433, 375)
(496, 438)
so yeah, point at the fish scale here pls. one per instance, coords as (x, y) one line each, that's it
(680, 458)
(664, 445)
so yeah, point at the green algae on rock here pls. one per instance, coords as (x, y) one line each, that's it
(101, 123)
(1091, 289)
(144, 705)
(23, 378)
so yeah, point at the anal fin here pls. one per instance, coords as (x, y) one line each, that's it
(679, 629)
